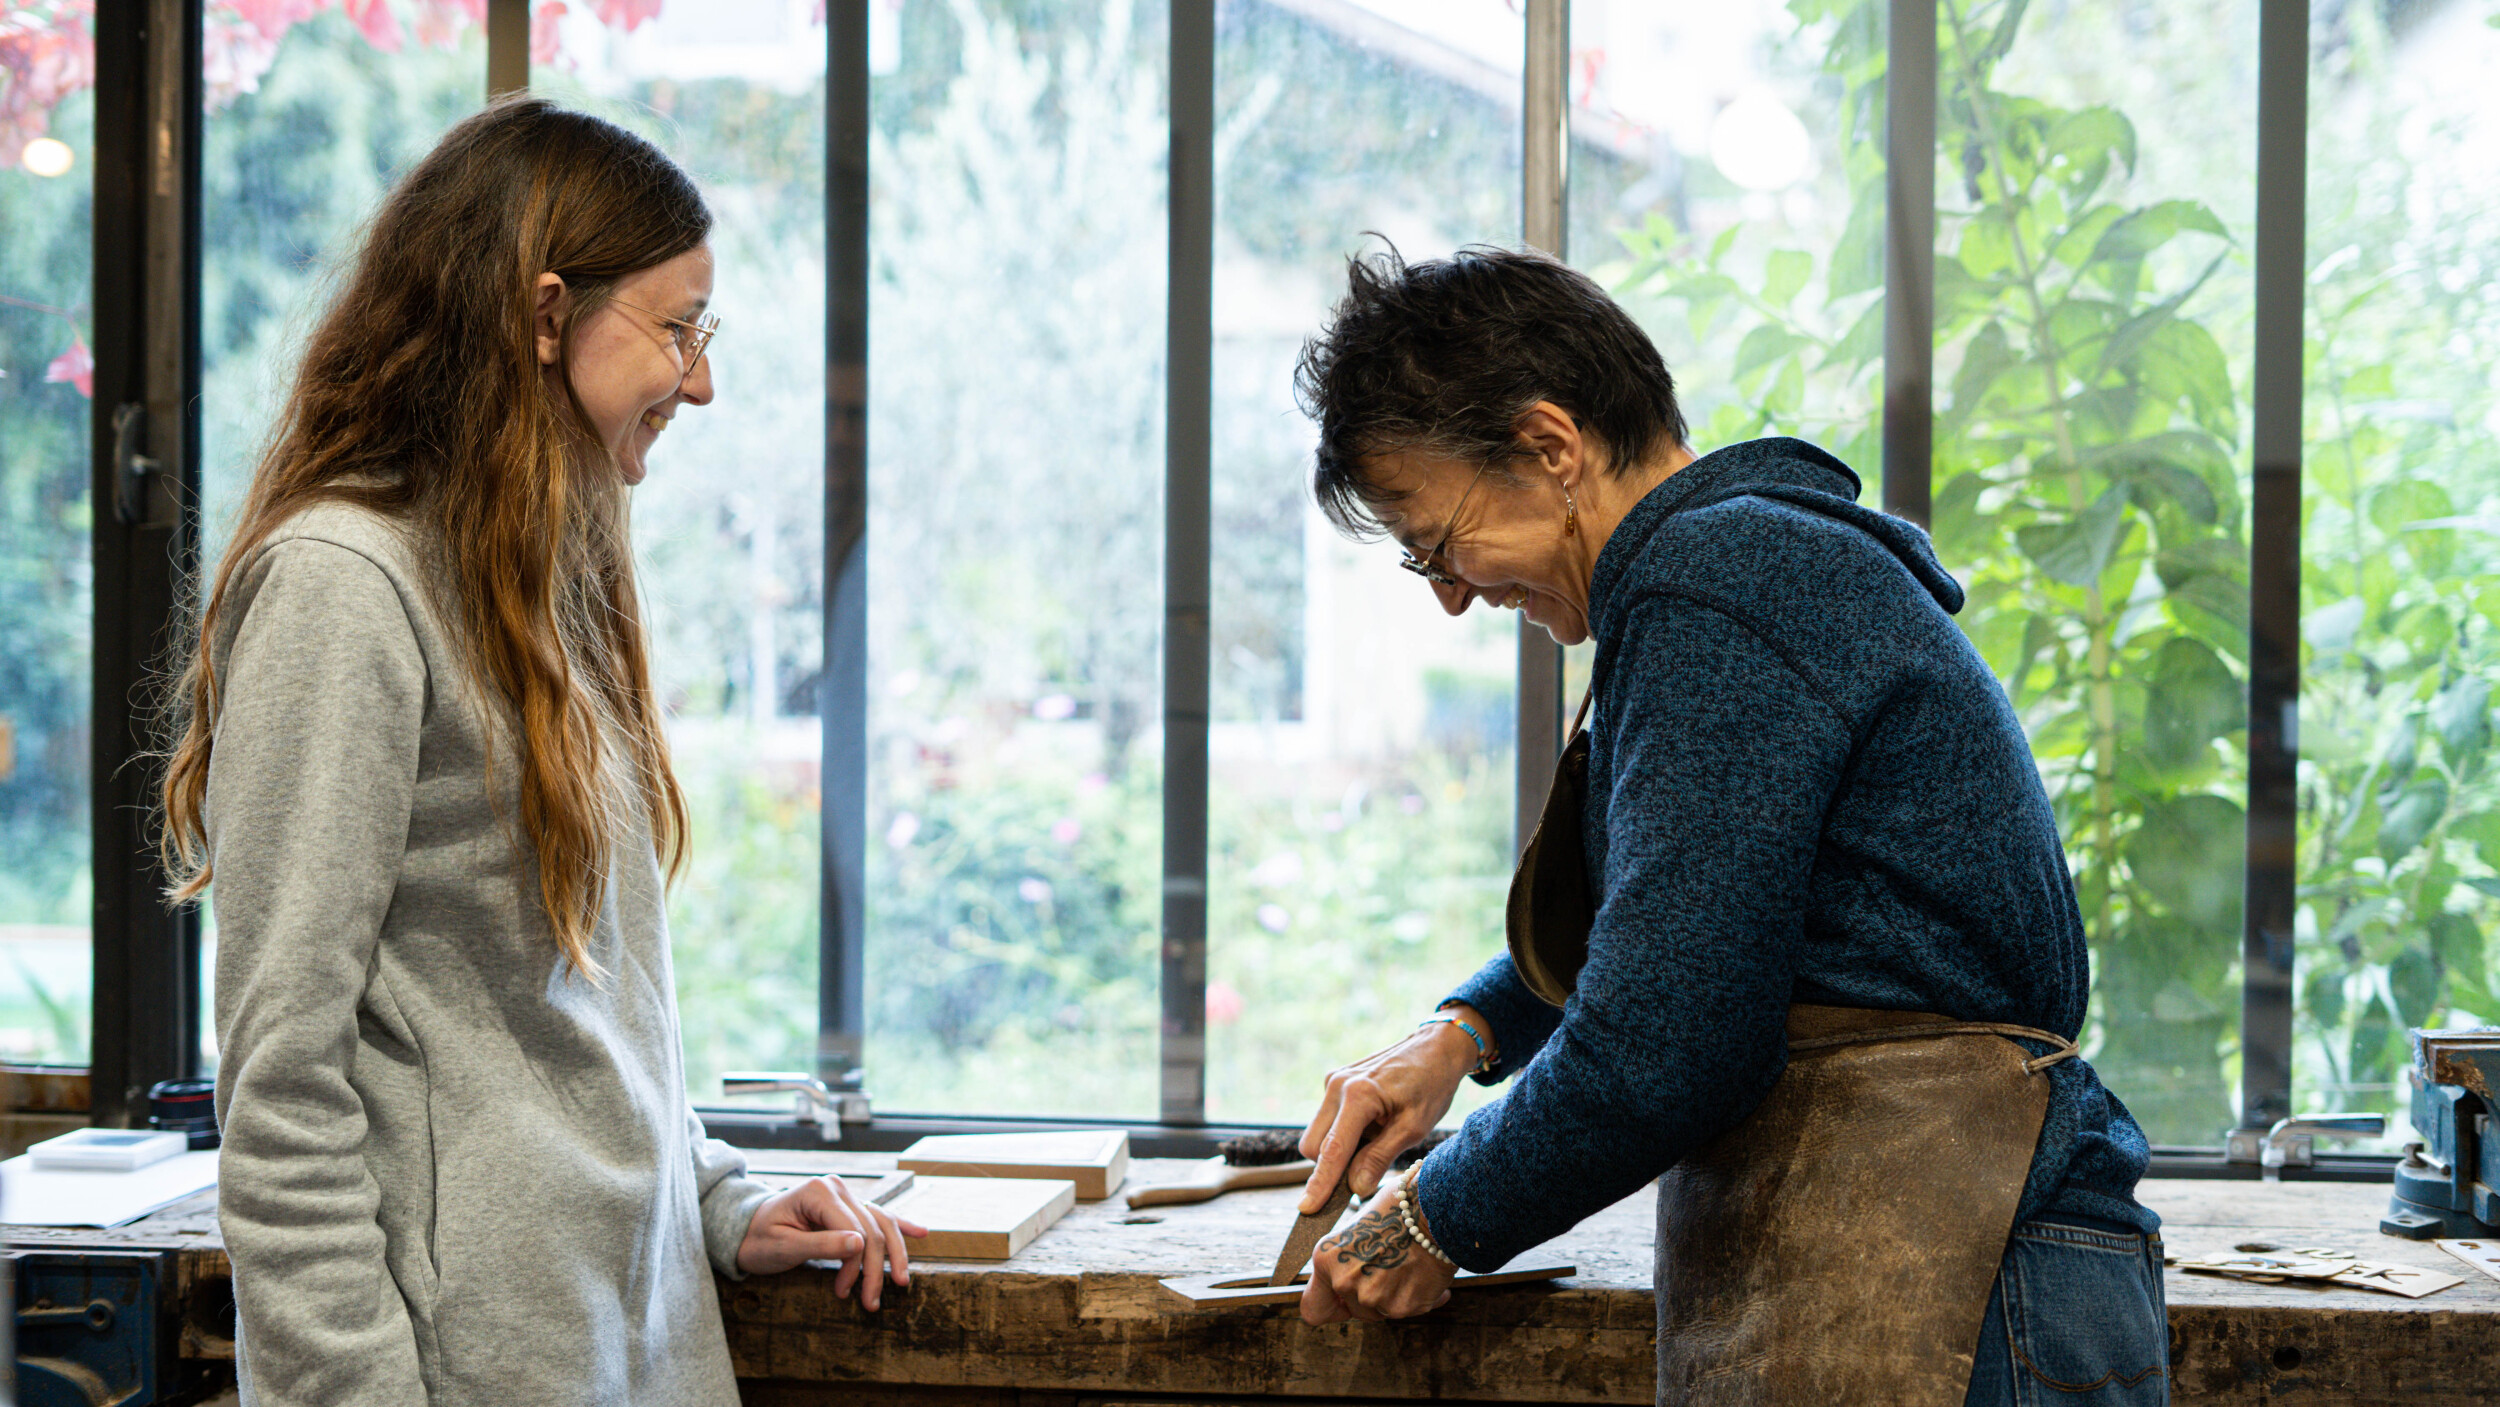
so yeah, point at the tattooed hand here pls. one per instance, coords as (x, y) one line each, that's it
(1374, 1270)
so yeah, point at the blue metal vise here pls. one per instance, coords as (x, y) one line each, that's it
(89, 1330)
(2448, 1184)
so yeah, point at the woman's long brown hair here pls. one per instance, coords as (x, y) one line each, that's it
(420, 397)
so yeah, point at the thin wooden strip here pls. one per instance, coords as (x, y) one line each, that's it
(1233, 1291)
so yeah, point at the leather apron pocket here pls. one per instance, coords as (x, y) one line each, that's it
(1839, 1245)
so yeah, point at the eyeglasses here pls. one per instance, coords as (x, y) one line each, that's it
(692, 337)
(1427, 565)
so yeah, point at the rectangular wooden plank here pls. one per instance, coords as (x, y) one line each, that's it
(1236, 1291)
(1096, 1160)
(982, 1218)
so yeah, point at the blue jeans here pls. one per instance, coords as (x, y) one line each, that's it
(2077, 1317)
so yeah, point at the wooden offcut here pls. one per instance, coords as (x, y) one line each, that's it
(1241, 1291)
(981, 1218)
(1096, 1160)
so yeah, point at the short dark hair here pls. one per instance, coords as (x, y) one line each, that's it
(1446, 355)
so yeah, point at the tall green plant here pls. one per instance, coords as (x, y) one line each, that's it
(2400, 835)
(2086, 435)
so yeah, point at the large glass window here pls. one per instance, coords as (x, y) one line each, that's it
(2094, 181)
(47, 157)
(1361, 743)
(1015, 535)
(2400, 570)
(729, 529)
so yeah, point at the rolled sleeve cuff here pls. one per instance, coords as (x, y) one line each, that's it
(1521, 1020)
(726, 1215)
(1440, 1185)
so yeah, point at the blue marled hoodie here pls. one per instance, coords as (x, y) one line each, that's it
(1804, 786)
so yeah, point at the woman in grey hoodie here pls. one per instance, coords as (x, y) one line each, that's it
(418, 752)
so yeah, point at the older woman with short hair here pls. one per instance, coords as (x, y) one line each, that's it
(1796, 938)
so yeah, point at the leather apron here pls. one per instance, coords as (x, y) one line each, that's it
(1839, 1245)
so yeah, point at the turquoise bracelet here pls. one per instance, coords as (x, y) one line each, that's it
(1484, 1051)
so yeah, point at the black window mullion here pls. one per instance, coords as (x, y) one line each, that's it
(2274, 563)
(842, 707)
(1910, 259)
(1187, 587)
(145, 447)
(507, 47)
(1545, 173)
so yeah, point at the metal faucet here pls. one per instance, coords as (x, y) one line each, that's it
(2293, 1142)
(828, 1108)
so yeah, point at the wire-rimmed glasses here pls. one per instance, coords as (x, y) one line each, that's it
(692, 337)
(1427, 565)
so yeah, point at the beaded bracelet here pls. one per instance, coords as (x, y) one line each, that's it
(1414, 1220)
(1484, 1051)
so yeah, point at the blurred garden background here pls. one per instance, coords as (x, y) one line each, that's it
(2093, 340)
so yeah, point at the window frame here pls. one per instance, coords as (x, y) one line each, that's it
(147, 177)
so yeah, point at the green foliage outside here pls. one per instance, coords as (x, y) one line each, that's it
(2400, 604)
(45, 587)
(2085, 486)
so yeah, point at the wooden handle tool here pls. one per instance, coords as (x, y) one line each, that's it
(1214, 1178)
(1307, 1231)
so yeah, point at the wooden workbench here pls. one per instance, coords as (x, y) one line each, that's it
(1079, 1314)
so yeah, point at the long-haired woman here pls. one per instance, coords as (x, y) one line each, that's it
(416, 749)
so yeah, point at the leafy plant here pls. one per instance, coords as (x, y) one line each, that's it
(2400, 806)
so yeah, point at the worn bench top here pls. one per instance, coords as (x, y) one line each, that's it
(1080, 1309)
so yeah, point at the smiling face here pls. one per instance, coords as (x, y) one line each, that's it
(1500, 534)
(626, 367)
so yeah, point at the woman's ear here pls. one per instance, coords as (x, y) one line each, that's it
(1553, 437)
(551, 304)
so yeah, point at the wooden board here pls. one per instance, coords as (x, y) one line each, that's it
(1096, 1160)
(1232, 1291)
(982, 1218)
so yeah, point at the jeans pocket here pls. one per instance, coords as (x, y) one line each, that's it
(2084, 1317)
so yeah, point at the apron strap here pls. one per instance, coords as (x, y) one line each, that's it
(2060, 1047)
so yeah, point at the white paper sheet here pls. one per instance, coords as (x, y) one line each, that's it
(33, 1196)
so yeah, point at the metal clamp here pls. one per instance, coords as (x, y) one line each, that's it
(2292, 1143)
(829, 1108)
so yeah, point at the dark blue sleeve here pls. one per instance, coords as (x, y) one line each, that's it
(1724, 761)
(1521, 1020)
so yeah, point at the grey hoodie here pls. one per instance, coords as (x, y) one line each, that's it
(454, 1172)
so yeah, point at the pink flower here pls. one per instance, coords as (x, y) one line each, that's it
(440, 22)
(375, 21)
(545, 40)
(43, 59)
(626, 13)
(1067, 830)
(75, 366)
(273, 18)
(1224, 1005)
